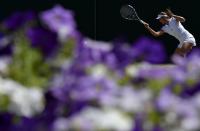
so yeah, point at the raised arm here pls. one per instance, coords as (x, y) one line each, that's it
(154, 33)
(178, 18)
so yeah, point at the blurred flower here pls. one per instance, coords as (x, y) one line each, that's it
(166, 100)
(4, 62)
(23, 101)
(6, 120)
(5, 44)
(99, 71)
(190, 124)
(60, 21)
(154, 72)
(92, 52)
(18, 19)
(61, 124)
(102, 119)
(43, 39)
(27, 107)
(149, 50)
(82, 88)
(138, 122)
(122, 98)
(124, 55)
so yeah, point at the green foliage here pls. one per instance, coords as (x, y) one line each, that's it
(177, 89)
(158, 85)
(154, 117)
(4, 102)
(28, 66)
(65, 51)
(126, 79)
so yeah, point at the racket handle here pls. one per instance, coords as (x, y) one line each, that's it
(141, 21)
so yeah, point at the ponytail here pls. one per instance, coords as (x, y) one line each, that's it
(169, 12)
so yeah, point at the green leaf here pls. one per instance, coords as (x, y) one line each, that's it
(158, 85)
(28, 66)
(4, 102)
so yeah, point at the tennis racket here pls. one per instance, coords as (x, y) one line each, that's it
(129, 13)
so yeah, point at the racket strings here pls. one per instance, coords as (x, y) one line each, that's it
(128, 12)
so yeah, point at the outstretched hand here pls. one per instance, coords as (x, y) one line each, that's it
(146, 25)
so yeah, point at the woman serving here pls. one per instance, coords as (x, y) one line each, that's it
(172, 26)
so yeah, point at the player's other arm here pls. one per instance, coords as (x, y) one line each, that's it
(178, 18)
(154, 33)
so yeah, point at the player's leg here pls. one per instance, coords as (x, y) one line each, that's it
(183, 49)
(179, 52)
(187, 47)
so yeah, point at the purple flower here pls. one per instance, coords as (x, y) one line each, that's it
(75, 88)
(146, 71)
(166, 100)
(5, 45)
(18, 19)
(6, 50)
(138, 122)
(186, 111)
(149, 50)
(144, 49)
(6, 121)
(151, 72)
(72, 94)
(91, 52)
(157, 128)
(178, 75)
(124, 55)
(43, 39)
(189, 91)
(59, 20)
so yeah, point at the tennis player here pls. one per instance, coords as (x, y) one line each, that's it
(172, 26)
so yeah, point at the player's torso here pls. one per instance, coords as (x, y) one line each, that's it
(177, 30)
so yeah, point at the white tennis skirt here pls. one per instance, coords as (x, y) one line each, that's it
(189, 40)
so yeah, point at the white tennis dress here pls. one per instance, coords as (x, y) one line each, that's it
(177, 30)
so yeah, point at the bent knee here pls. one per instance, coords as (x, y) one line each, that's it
(180, 52)
(187, 47)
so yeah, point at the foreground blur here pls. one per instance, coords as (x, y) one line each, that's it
(53, 78)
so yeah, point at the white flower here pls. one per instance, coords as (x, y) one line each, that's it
(105, 119)
(196, 101)
(8, 87)
(171, 118)
(61, 124)
(190, 124)
(26, 102)
(64, 32)
(134, 101)
(99, 71)
(4, 62)
(23, 101)
(128, 99)
(132, 70)
(98, 45)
